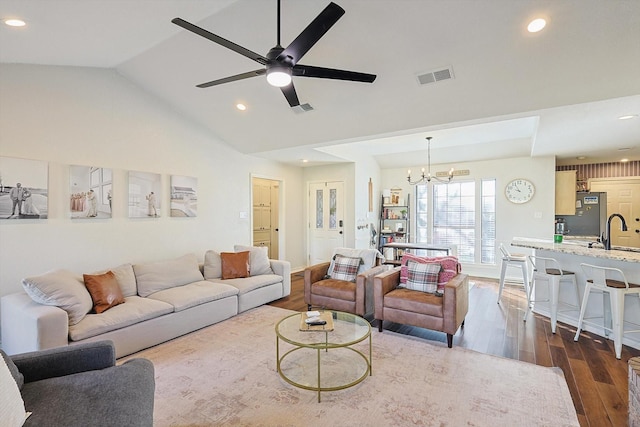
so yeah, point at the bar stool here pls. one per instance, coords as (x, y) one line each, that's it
(597, 281)
(513, 260)
(549, 270)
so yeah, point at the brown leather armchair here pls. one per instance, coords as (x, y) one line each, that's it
(350, 297)
(444, 313)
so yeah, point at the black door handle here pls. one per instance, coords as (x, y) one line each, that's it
(277, 229)
(637, 231)
(340, 231)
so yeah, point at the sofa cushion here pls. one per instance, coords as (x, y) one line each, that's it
(450, 267)
(104, 289)
(135, 309)
(258, 259)
(125, 277)
(336, 289)
(115, 396)
(212, 265)
(422, 277)
(248, 284)
(345, 268)
(414, 301)
(154, 277)
(63, 289)
(235, 264)
(15, 373)
(187, 296)
(12, 412)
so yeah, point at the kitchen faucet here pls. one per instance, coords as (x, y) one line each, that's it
(606, 241)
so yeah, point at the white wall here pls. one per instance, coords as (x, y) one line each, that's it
(532, 219)
(366, 168)
(95, 117)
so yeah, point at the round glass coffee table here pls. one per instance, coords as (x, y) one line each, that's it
(323, 360)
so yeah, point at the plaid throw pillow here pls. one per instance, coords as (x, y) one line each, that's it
(345, 268)
(422, 277)
(450, 267)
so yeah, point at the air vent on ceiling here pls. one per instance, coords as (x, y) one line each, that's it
(302, 108)
(437, 75)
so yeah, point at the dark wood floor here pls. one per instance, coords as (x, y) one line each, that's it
(597, 380)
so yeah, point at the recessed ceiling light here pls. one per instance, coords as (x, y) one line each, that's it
(624, 149)
(580, 157)
(624, 160)
(536, 25)
(627, 117)
(305, 161)
(241, 106)
(15, 22)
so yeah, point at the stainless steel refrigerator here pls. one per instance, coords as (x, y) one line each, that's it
(591, 215)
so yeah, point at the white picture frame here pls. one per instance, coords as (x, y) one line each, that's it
(24, 189)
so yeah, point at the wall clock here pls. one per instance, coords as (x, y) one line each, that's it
(519, 190)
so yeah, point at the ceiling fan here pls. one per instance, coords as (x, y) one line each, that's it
(282, 63)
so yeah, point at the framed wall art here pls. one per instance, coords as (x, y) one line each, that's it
(144, 199)
(90, 192)
(24, 189)
(184, 196)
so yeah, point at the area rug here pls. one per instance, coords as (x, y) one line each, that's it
(226, 374)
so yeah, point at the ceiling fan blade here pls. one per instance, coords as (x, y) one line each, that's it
(314, 31)
(233, 78)
(291, 95)
(221, 41)
(331, 73)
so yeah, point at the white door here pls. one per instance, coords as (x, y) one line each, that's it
(623, 197)
(275, 220)
(326, 220)
(266, 215)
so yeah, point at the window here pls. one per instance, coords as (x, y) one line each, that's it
(446, 214)
(488, 224)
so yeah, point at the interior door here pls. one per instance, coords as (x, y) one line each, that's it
(623, 197)
(266, 215)
(326, 220)
(275, 219)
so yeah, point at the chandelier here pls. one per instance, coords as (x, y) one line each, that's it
(428, 177)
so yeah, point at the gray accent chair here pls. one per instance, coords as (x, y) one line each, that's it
(81, 385)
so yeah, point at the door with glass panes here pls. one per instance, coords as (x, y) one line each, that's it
(326, 223)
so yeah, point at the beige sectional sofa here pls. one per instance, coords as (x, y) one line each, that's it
(162, 300)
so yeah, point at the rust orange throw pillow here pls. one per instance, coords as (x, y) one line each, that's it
(235, 265)
(104, 289)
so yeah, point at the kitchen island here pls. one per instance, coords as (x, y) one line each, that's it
(570, 255)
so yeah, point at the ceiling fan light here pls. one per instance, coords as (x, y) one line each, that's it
(15, 22)
(536, 25)
(279, 77)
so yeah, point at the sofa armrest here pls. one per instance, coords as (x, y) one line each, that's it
(282, 268)
(383, 284)
(29, 326)
(61, 361)
(364, 289)
(313, 274)
(455, 302)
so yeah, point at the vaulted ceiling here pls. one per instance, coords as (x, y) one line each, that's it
(513, 93)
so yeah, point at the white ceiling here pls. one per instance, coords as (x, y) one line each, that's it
(558, 92)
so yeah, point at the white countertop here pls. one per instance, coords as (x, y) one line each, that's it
(580, 248)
